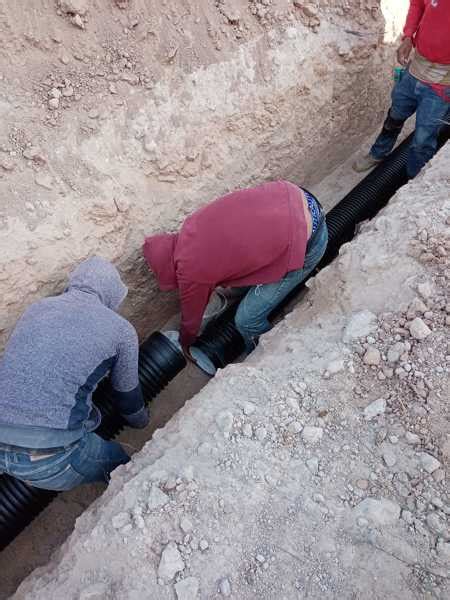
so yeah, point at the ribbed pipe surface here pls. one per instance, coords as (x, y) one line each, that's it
(221, 341)
(159, 362)
(366, 199)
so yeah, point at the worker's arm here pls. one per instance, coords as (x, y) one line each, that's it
(125, 381)
(415, 14)
(194, 298)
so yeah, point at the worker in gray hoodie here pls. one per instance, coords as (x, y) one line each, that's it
(58, 352)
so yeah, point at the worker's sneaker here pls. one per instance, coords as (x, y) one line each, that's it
(364, 163)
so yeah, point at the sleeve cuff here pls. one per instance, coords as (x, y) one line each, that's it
(139, 419)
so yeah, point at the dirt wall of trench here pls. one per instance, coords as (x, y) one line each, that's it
(119, 118)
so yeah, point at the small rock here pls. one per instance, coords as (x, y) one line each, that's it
(380, 436)
(157, 498)
(295, 427)
(436, 524)
(309, 9)
(313, 465)
(439, 475)
(248, 408)
(372, 356)
(64, 58)
(363, 484)
(247, 430)
(224, 421)
(186, 525)
(171, 562)
(44, 180)
(225, 587)
(53, 103)
(407, 516)
(55, 93)
(35, 154)
(68, 91)
(318, 498)
(261, 434)
(417, 305)
(389, 456)
(7, 164)
(78, 21)
(120, 520)
(187, 589)
(428, 462)
(362, 522)
(395, 351)
(412, 438)
(426, 289)
(378, 511)
(375, 408)
(360, 325)
(73, 7)
(312, 435)
(418, 329)
(204, 545)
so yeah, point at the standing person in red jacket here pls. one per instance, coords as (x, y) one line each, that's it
(423, 89)
(267, 238)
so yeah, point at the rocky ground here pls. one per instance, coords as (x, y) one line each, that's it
(317, 468)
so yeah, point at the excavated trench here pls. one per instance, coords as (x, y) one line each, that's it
(160, 362)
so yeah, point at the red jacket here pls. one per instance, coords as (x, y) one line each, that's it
(245, 238)
(428, 24)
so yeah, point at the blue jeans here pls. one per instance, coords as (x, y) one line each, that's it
(411, 96)
(88, 460)
(252, 314)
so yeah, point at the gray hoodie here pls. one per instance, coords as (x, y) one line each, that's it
(59, 350)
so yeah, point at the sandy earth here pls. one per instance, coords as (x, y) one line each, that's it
(317, 468)
(118, 119)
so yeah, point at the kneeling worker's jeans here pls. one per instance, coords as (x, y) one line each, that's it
(88, 460)
(252, 314)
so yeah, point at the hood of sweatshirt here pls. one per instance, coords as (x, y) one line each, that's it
(99, 277)
(159, 253)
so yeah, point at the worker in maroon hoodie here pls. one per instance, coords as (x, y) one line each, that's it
(424, 88)
(267, 238)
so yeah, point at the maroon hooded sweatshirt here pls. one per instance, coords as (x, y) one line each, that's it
(249, 237)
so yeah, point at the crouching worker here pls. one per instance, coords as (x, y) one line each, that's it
(60, 349)
(267, 239)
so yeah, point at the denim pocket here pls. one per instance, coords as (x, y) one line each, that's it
(66, 479)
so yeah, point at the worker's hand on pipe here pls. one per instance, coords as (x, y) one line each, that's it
(404, 51)
(187, 354)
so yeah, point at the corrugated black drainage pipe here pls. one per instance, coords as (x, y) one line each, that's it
(221, 341)
(159, 362)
